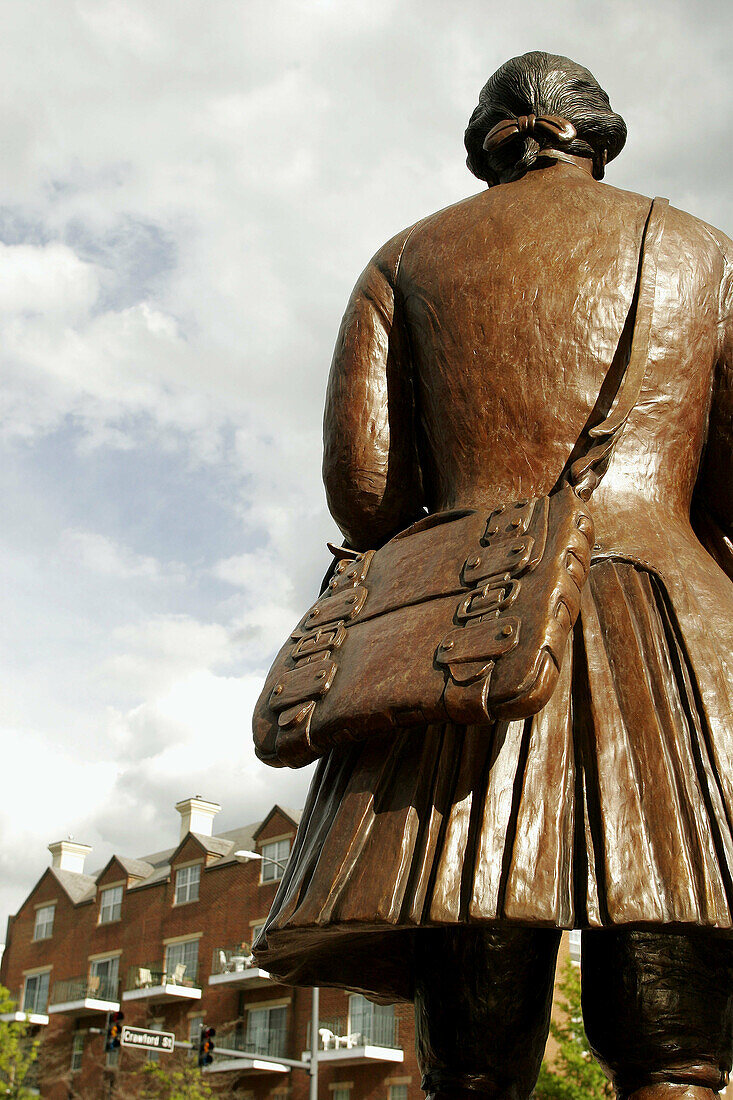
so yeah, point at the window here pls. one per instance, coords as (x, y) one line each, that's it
(77, 1052)
(182, 961)
(575, 945)
(104, 978)
(266, 1030)
(195, 1023)
(187, 884)
(273, 854)
(341, 1092)
(397, 1092)
(35, 992)
(44, 922)
(255, 931)
(110, 904)
(373, 1024)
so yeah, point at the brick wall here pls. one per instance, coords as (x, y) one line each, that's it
(231, 896)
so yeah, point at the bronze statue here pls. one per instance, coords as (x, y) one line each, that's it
(439, 862)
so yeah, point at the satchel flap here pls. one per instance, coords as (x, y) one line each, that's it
(308, 681)
(479, 640)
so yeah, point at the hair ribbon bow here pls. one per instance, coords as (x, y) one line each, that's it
(552, 126)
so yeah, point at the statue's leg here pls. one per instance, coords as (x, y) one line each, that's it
(658, 1011)
(482, 1010)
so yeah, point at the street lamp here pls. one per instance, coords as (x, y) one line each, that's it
(244, 856)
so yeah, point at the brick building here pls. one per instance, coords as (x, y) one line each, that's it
(166, 940)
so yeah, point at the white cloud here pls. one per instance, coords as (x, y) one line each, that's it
(103, 555)
(154, 654)
(49, 280)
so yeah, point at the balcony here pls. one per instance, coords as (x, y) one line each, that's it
(266, 1046)
(33, 1012)
(158, 985)
(376, 1041)
(234, 967)
(82, 996)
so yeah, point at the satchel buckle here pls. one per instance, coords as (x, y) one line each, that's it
(510, 556)
(478, 641)
(489, 599)
(310, 680)
(343, 604)
(330, 638)
(509, 520)
(349, 574)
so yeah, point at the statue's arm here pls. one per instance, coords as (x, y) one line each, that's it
(370, 463)
(713, 500)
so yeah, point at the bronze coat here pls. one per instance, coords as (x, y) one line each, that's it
(471, 354)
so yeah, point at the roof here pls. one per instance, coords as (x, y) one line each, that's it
(155, 868)
(292, 815)
(78, 887)
(136, 868)
(216, 845)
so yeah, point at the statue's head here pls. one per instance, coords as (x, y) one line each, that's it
(542, 84)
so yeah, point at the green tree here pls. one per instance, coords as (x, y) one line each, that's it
(574, 1074)
(180, 1081)
(18, 1052)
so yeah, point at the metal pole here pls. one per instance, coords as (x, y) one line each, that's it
(313, 1092)
(251, 1055)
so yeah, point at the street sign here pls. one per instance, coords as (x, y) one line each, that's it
(142, 1037)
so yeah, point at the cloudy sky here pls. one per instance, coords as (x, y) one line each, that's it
(188, 190)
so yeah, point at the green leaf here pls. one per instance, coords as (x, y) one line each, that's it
(574, 1073)
(18, 1052)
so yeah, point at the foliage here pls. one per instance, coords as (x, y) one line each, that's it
(176, 1082)
(17, 1052)
(574, 1075)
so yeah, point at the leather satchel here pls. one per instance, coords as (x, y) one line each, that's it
(464, 616)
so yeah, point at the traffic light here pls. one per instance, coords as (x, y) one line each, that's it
(114, 1030)
(206, 1046)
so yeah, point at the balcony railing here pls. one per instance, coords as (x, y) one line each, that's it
(150, 977)
(232, 960)
(335, 1034)
(93, 987)
(267, 1042)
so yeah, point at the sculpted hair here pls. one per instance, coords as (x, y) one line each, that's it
(542, 84)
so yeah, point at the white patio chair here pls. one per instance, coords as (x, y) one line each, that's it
(327, 1038)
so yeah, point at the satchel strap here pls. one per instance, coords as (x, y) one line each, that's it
(586, 472)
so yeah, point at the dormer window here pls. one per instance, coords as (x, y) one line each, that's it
(110, 904)
(274, 857)
(43, 928)
(187, 884)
